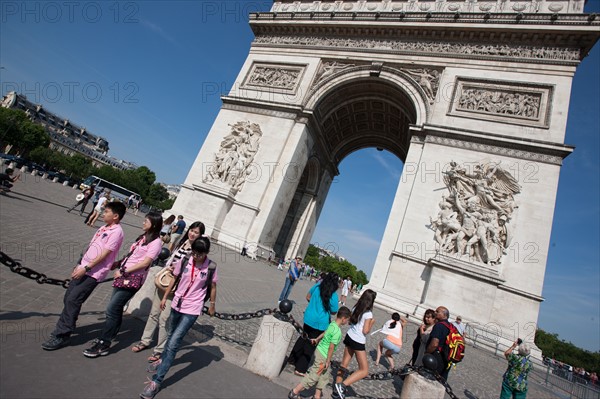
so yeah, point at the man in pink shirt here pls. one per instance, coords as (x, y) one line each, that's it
(93, 268)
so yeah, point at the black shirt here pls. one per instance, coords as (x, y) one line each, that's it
(440, 331)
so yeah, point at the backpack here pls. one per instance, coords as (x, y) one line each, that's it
(211, 271)
(455, 345)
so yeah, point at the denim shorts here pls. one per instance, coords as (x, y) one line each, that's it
(390, 346)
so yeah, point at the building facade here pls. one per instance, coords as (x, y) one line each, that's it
(472, 96)
(66, 137)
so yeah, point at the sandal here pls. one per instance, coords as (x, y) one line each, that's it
(139, 347)
(154, 358)
(299, 374)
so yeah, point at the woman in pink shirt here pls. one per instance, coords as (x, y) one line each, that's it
(197, 278)
(141, 256)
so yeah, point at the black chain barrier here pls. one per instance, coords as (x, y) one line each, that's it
(41, 278)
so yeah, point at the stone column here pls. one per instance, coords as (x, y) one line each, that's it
(397, 214)
(418, 387)
(270, 346)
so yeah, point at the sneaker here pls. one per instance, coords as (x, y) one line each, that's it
(340, 389)
(55, 343)
(150, 390)
(152, 367)
(99, 348)
(293, 395)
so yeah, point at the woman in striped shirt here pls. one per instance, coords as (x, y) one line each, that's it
(157, 317)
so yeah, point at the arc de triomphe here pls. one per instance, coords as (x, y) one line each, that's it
(471, 95)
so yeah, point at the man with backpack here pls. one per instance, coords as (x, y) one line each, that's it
(445, 342)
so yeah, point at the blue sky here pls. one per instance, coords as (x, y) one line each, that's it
(148, 75)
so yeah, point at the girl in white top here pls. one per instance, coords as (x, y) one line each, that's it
(99, 208)
(361, 323)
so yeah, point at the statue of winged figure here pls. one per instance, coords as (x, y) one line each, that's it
(483, 199)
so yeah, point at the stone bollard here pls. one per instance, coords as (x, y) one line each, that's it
(33, 172)
(75, 186)
(66, 183)
(23, 169)
(45, 176)
(418, 387)
(55, 180)
(12, 165)
(270, 346)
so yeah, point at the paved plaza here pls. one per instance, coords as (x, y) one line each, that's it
(36, 230)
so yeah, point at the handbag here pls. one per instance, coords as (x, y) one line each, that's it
(164, 278)
(126, 280)
(166, 238)
(130, 282)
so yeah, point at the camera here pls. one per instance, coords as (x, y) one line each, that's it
(519, 341)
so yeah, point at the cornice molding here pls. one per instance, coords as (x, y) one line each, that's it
(495, 145)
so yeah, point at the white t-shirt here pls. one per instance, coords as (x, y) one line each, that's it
(346, 286)
(100, 203)
(356, 330)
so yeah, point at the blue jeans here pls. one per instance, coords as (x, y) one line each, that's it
(114, 313)
(178, 325)
(287, 289)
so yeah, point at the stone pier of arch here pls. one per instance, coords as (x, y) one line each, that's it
(473, 102)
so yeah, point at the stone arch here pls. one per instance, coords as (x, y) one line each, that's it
(392, 76)
(349, 111)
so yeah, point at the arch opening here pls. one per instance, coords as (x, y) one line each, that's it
(365, 112)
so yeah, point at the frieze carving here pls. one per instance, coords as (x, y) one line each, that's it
(475, 216)
(236, 153)
(492, 149)
(429, 47)
(500, 102)
(518, 103)
(503, 6)
(275, 77)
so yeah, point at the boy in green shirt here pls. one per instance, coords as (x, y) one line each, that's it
(318, 374)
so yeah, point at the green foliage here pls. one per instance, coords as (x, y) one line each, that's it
(553, 347)
(331, 264)
(156, 195)
(76, 166)
(16, 129)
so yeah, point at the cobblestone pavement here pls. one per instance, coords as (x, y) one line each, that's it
(36, 230)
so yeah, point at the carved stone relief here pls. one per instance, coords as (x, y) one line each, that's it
(285, 78)
(236, 153)
(503, 6)
(473, 222)
(330, 68)
(503, 102)
(427, 78)
(514, 52)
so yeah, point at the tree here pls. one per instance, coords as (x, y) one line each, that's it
(553, 347)
(16, 129)
(156, 195)
(78, 166)
(330, 264)
(32, 136)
